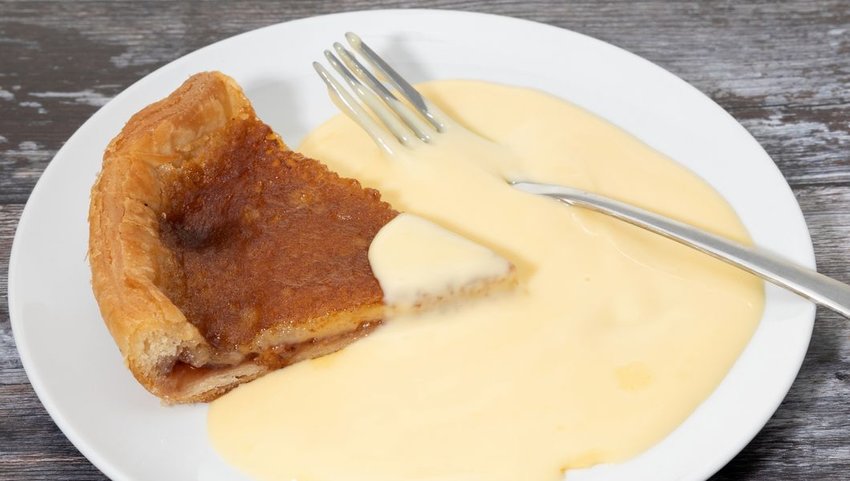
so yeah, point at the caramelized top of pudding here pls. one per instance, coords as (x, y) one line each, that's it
(265, 239)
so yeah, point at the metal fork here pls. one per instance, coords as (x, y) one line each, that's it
(406, 117)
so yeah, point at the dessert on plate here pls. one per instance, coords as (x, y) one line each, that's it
(218, 254)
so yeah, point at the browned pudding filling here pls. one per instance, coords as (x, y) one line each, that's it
(269, 247)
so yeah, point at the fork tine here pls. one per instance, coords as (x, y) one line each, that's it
(354, 110)
(371, 100)
(397, 81)
(413, 121)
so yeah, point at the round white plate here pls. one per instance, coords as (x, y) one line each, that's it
(77, 370)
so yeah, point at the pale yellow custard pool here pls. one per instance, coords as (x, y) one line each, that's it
(612, 338)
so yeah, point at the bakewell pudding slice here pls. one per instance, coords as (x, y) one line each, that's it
(218, 254)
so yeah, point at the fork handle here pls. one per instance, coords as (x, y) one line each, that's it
(806, 282)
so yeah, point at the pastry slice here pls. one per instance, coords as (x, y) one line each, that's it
(218, 254)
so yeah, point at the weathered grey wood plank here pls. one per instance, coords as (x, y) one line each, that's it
(11, 371)
(784, 68)
(781, 68)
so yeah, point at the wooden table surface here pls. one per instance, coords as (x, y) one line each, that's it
(781, 68)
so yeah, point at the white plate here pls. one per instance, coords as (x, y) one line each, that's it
(77, 371)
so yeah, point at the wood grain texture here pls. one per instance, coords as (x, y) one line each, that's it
(781, 68)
